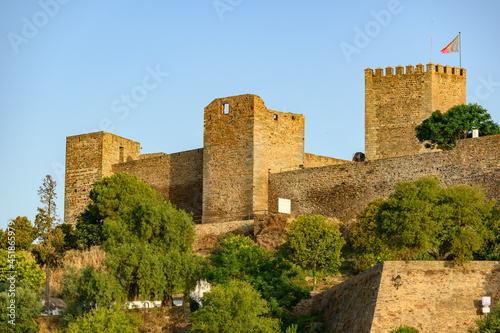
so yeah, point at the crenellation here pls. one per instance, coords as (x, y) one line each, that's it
(252, 156)
(246, 145)
(395, 104)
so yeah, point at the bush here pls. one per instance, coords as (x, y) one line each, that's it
(314, 243)
(27, 309)
(105, 320)
(27, 270)
(273, 276)
(489, 324)
(235, 307)
(405, 329)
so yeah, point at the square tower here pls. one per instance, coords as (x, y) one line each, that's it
(397, 102)
(243, 142)
(89, 157)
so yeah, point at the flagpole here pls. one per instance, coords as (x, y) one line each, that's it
(460, 49)
(431, 42)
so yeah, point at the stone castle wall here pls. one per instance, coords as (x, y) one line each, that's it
(177, 177)
(396, 102)
(344, 190)
(89, 157)
(227, 159)
(432, 296)
(278, 144)
(350, 306)
(314, 161)
(243, 141)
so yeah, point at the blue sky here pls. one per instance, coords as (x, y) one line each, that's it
(66, 65)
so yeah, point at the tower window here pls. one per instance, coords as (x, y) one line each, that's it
(225, 108)
(275, 117)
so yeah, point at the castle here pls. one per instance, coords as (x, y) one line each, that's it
(253, 160)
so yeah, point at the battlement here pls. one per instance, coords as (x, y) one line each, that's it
(419, 69)
(399, 100)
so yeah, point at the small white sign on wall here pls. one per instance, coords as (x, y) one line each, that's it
(284, 206)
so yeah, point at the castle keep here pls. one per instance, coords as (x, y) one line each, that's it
(397, 102)
(253, 156)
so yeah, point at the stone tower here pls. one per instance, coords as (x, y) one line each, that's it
(396, 102)
(89, 157)
(243, 142)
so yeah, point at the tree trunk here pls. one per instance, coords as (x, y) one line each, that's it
(314, 276)
(47, 286)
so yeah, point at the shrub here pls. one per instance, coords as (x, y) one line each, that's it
(105, 320)
(27, 308)
(405, 329)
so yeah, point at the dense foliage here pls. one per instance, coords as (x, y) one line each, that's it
(444, 129)
(149, 249)
(270, 274)
(421, 220)
(148, 244)
(109, 196)
(312, 242)
(20, 233)
(105, 320)
(27, 309)
(234, 307)
(27, 271)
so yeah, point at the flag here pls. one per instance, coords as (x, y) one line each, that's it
(453, 46)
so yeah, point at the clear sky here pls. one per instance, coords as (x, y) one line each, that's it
(67, 67)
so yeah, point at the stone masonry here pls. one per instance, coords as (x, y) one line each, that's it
(225, 180)
(253, 156)
(431, 296)
(396, 102)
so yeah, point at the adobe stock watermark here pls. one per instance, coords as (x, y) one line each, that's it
(224, 6)
(31, 26)
(11, 273)
(483, 90)
(363, 37)
(131, 100)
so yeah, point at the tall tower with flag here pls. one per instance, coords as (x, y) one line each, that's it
(395, 102)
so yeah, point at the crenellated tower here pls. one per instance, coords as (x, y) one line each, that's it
(396, 102)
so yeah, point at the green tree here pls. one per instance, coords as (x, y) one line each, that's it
(22, 234)
(314, 243)
(109, 195)
(26, 269)
(234, 307)
(149, 249)
(50, 251)
(148, 256)
(47, 217)
(106, 321)
(422, 219)
(444, 129)
(270, 274)
(27, 309)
